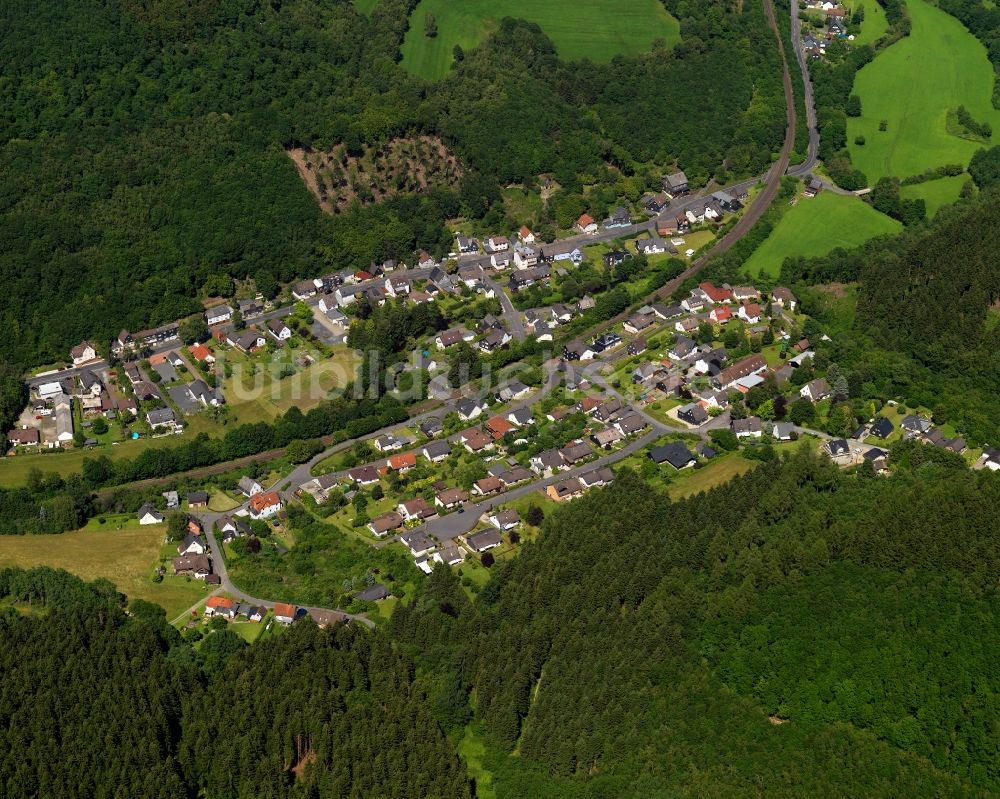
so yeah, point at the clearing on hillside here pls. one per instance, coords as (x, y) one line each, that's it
(936, 193)
(126, 556)
(598, 30)
(817, 225)
(912, 86)
(401, 166)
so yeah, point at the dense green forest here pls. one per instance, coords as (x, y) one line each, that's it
(802, 629)
(97, 702)
(622, 649)
(142, 159)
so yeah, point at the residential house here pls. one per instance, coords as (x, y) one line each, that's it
(161, 417)
(565, 489)
(304, 290)
(415, 509)
(197, 499)
(419, 543)
(514, 390)
(451, 498)
(754, 364)
(220, 606)
(484, 540)
(783, 431)
(750, 312)
(448, 338)
(197, 566)
(90, 384)
(631, 424)
(373, 593)
(470, 408)
(675, 184)
(606, 341)
(386, 523)
(577, 351)
(265, 505)
(247, 341)
(637, 346)
(466, 245)
(501, 260)
(561, 251)
(494, 340)
(148, 514)
(201, 353)
(498, 427)
(402, 462)
(613, 258)
(882, 428)
(704, 450)
(547, 462)
(607, 409)
(25, 437)
(363, 475)
(279, 330)
(815, 390)
(638, 322)
(518, 474)
(693, 414)
(487, 485)
(586, 224)
(915, 425)
(249, 487)
(388, 443)
(674, 453)
(83, 352)
(437, 451)
(783, 298)
(712, 294)
(655, 203)
(620, 217)
(525, 235)
(285, 613)
(575, 453)
(505, 520)
(498, 244)
(475, 440)
(449, 555)
(597, 478)
(751, 427)
(521, 417)
(654, 245)
(218, 314)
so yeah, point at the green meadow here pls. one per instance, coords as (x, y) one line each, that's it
(911, 86)
(936, 193)
(595, 30)
(817, 225)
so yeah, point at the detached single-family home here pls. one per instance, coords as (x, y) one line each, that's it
(363, 475)
(161, 417)
(197, 566)
(470, 408)
(750, 427)
(815, 390)
(692, 413)
(285, 613)
(620, 217)
(882, 428)
(265, 505)
(482, 541)
(279, 330)
(577, 351)
(249, 487)
(565, 489)
(415, 509)
(220, 606)
(674, 453)
(586, 224)
(384, 524)
(83, 352)
(218, 314)
(675, 184)
(148, 514)
(525, 235)
(450, 498)
(419, 543)
(783, 298)
(436, 451)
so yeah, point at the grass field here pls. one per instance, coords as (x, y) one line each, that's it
(936, 193)
(875, 23)
(718, 471)
(911, 85)
(259, 396)
(816, 225)
(595, 30)
(365, 6)
(127, 557)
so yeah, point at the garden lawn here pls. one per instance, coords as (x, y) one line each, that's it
(595, 30)
(936, 193)
(817, 225)
(911, 85)
(127, 557)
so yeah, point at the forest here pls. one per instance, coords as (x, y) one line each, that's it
(143, 146)
(831, 630)
(100, 702)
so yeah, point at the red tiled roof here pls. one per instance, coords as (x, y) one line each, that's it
(260, 501)
(403, 460)
(219, 602)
